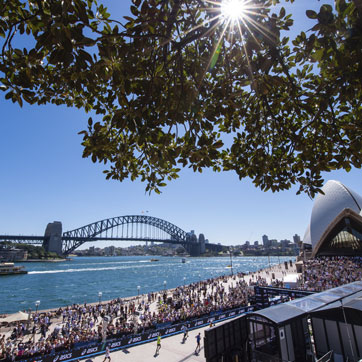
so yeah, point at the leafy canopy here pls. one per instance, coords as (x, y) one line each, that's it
(177, 84)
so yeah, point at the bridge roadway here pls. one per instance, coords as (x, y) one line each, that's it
(38, 240)
(133, 228)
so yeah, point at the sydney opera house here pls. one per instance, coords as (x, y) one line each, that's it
(335, 226)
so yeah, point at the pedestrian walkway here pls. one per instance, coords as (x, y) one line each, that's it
(173, 350)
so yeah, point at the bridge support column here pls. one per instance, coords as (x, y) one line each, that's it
(53, 237)
(193, 249)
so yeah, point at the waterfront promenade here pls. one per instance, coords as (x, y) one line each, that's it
(225, 292)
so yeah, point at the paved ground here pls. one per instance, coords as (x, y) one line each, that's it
(172, 350)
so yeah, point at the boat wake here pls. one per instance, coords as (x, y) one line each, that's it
(90, 269)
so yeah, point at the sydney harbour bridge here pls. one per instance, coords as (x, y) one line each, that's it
(130, 227)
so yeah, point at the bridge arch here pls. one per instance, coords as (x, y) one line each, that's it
(75, 238)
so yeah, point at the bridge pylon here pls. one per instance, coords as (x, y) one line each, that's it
(53, 238)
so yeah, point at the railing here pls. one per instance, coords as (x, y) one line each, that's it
(96, 347)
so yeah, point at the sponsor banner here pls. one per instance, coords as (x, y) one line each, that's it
(152, 335)
(114, 344)
(66, 355)
(90, 350)
(171, 330)
(134, 339)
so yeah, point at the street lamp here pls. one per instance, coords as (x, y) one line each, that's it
(37, 303)
(100, 297)
(231, 260)
(138, 290)
(184, 281)
(164, 284)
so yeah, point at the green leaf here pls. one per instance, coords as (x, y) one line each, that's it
(311, 14)
(282, 13)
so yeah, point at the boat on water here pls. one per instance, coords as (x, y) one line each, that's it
(155, 259)
(8, 268)
(183, 260)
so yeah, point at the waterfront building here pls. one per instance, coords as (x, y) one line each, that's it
(265, 240)
(12, 254)
(335, 226)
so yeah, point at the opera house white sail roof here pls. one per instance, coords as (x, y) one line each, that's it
(327, 207)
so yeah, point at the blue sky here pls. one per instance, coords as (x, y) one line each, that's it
(44, 178)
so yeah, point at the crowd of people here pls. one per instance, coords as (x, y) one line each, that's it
(66, 328)
(72, 326)
(323, 273)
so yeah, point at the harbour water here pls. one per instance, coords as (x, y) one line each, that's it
(81, 279)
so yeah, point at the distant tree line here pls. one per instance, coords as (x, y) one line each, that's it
(34, 252)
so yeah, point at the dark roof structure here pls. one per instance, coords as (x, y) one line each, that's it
(350, 295)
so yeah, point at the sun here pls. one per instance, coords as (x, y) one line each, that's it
(233, 9)
(238, 20)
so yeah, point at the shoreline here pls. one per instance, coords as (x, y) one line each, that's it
(278, 269)
(237, 285)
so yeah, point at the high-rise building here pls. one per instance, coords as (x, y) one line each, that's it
(256, 243)
(266, 240)
(296, 239)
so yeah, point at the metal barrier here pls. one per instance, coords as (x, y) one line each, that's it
(96, 348)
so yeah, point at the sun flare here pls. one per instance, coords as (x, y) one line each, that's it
(233, 9)
(239, 20)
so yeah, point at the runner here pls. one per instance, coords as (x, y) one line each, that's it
(198, 347)
(158, 345)
(107, 356)
(186, 333)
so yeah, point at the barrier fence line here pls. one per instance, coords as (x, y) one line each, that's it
(262, 295)
(96, 348)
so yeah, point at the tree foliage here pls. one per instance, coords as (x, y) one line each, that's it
(34, 252)
(172, 86)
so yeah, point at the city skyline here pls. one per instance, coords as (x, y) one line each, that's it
(45, 179)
